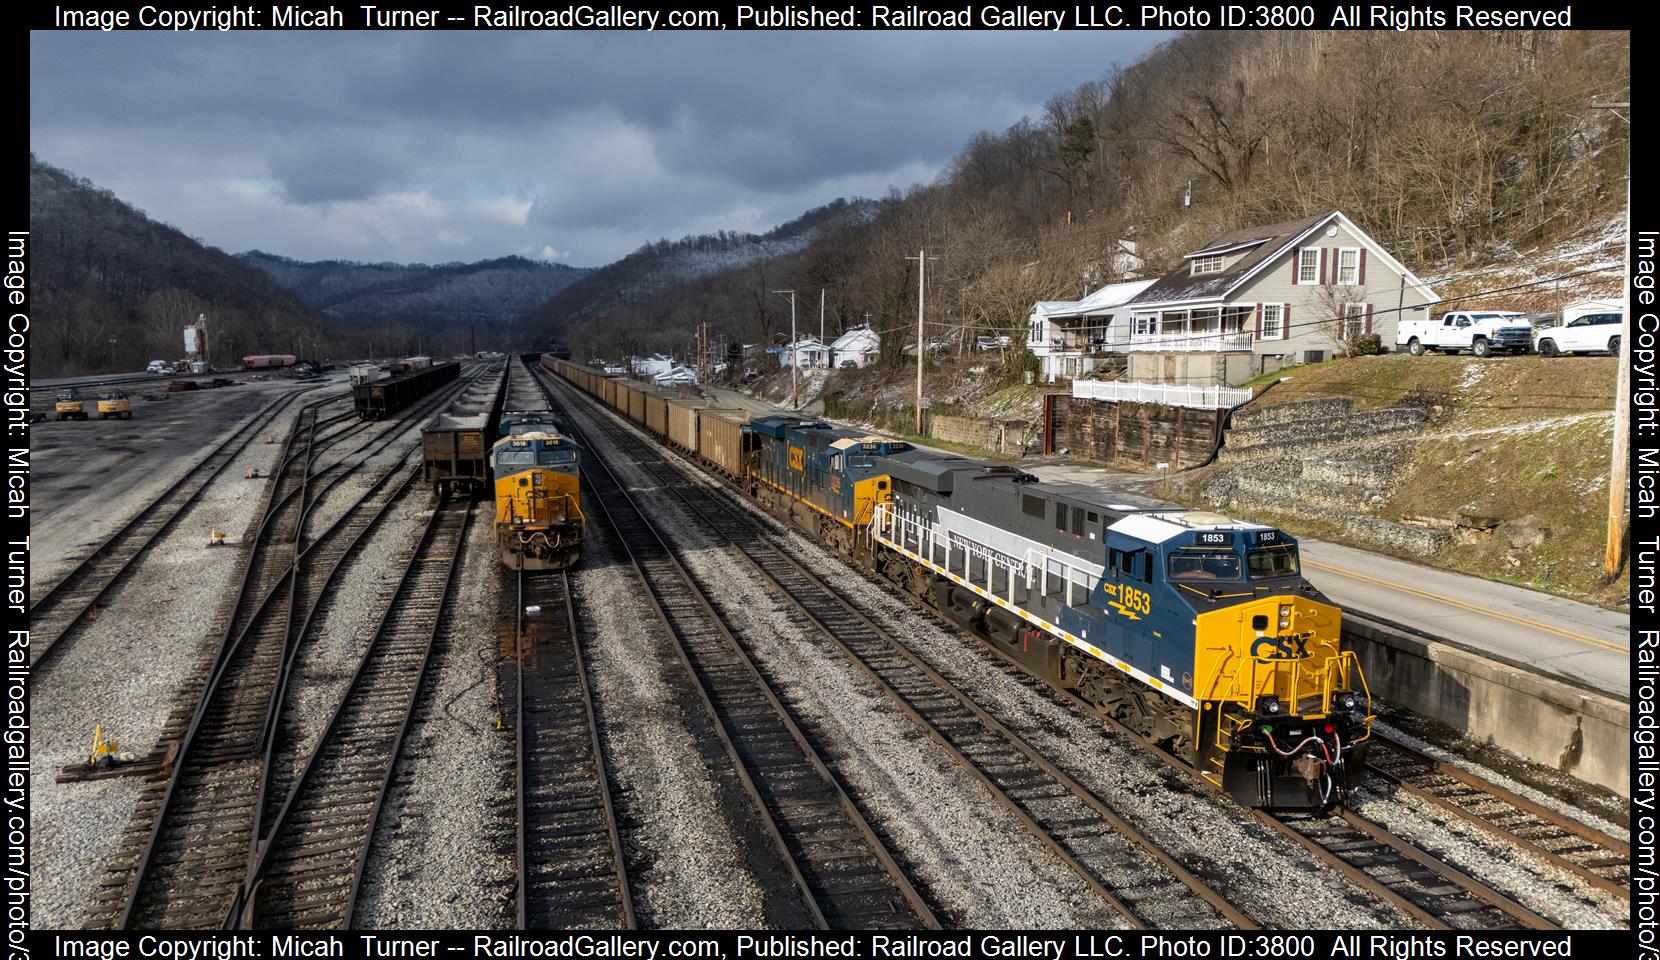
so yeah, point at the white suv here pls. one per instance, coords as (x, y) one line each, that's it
(1587, 334)
(158, 368)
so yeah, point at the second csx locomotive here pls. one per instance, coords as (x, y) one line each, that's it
(1191, 628)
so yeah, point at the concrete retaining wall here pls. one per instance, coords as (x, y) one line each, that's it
(1002, 436)
(1544, 720)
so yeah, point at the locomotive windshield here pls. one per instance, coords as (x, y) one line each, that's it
(1204, 565)
(1271, 562)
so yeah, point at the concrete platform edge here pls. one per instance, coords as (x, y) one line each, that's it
(1545, 720)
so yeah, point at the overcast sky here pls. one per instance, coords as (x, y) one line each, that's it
(576, 147)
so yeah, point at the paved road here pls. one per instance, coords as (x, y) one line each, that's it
(732, 398)
(1583, 643)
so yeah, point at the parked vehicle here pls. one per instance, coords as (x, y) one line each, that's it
(1588, 333)
(158, 368)
(1479, 331)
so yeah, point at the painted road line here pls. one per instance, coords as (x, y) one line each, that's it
(1484, 611)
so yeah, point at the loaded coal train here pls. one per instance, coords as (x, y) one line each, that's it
(1195, 630)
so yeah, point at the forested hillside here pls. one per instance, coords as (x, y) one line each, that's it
(1457, 151)
(621, 297)
(489, 295)
(114, 289)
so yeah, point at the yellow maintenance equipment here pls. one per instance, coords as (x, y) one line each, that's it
(70, 406)
(115, 405)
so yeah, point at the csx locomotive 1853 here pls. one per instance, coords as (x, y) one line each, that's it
(538, 496)
(1196, 630)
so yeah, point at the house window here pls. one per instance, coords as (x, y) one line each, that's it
(1146, 324)
(1348, 266)
(1270, 321)
(1353, 323)
(1211, 264)
(1308, 265)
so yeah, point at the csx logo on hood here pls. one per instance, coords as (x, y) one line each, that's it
(1294, 647)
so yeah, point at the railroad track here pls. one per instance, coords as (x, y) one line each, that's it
(1593, 856)
(1132, 874)
(56, 616)
(845, 876)
(571, 872)
(1432, 892)
(204, 816)
(308, 873)
(198, 843)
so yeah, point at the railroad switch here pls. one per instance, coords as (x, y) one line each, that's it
(105, 753)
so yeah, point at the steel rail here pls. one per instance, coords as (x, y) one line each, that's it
(605, 492)
(858, 650)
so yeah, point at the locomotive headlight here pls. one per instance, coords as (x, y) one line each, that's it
(1285, 611)
(1284, 623)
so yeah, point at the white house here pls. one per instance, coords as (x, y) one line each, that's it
(678, 374)
(858, 346)
(804, 353)
(1069, 337)
(651, 366)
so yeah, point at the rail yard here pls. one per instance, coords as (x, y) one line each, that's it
(513, 644)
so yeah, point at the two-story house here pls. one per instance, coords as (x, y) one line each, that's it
(1069, 337)
(1254, 300)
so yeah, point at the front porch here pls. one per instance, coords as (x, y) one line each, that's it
(1209, 330)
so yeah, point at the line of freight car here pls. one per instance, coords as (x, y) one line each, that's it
(374, 401)
(455, 445)
(693, 425)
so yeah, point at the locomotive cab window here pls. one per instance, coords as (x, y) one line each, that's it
(1271, 562)
(1204, 565)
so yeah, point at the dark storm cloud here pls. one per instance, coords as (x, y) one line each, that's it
(462, 146)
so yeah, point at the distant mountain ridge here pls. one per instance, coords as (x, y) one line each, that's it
(664, 265)
(489, 292)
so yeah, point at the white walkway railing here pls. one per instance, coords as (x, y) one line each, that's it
(1175, 395)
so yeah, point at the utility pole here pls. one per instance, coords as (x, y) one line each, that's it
(821, 339)
(1621, 454)
(795, 367)
(921, 259)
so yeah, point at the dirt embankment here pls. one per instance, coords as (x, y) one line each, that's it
(1495, 467)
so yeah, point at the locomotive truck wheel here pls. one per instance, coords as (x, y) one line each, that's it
(1481, 347)
(1547, 348)
(1415, 347)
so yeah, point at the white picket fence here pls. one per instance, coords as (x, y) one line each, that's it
(1209, 398)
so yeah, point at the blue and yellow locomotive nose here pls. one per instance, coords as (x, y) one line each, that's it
(1286, 711)
(538, 500)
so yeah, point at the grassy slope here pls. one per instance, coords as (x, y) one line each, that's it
(1518, 436)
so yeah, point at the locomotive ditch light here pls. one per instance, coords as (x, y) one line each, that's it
(1345, 700)
(1268, 706)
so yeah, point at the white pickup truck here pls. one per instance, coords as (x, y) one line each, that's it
(1586, 333)
(1479, 331)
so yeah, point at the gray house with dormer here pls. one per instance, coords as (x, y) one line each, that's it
(1255, 300)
